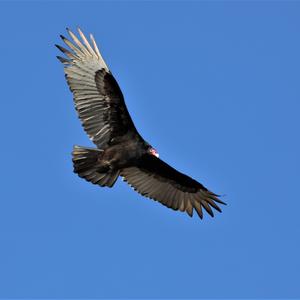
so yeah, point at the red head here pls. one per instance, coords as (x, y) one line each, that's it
(152, 151)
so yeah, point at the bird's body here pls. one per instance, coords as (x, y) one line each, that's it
(124, 154)
(121, 151)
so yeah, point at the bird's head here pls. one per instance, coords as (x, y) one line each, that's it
(153, 151)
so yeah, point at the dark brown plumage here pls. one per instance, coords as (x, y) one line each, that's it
(120, 148)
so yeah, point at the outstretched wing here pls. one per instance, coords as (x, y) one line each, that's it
(97, 96)
(155, 179)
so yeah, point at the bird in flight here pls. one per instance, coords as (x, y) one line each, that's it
(121, 150)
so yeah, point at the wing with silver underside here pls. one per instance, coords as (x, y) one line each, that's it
(97, 96)
(155, 179)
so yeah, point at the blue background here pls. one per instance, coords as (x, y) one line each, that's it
(214, 86)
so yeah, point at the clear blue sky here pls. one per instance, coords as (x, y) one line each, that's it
(215, 87)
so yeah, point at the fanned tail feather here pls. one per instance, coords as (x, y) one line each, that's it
(86, 165)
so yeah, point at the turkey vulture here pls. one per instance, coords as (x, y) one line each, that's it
(121, 151)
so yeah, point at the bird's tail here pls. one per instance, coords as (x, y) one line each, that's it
(86, 165)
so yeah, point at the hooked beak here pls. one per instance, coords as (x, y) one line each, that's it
(154, 152)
